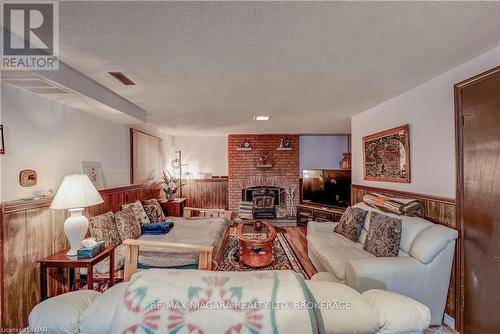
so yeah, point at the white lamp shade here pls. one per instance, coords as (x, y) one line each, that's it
(76, 191)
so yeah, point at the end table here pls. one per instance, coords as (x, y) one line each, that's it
(61, 260)
(174, 207)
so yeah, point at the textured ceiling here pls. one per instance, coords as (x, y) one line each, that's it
(209, 67)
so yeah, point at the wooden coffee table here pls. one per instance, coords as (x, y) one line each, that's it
(256, 245)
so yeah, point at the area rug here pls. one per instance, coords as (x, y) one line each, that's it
(284, 257)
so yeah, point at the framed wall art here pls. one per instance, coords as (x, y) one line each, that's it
(27, 178)
(386, 155)
(93, 169)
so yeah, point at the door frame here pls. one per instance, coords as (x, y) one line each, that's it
(459, 122)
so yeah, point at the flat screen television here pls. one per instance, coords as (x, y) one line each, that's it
(327, 187)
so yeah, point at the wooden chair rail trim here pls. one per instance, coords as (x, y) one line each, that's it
(24, 205)
(424, 197)
(136, 186)
(132, 254)
(223, 180)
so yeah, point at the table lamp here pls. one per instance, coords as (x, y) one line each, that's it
(75, 193)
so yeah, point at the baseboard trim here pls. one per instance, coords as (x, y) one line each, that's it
(449, 323)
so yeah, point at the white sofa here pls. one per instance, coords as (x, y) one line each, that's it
(421, 271)
(374, 311)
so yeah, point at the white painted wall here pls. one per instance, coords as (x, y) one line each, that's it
(322, 152)
(429, 109)
(53, 139)
(203, 154)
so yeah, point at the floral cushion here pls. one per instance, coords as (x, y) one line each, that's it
(103, 227)
(140, 214)
(128, 226)
(384, 235)
(153, 210)
(351, 223)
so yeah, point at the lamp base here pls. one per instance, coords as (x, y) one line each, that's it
(75, 228)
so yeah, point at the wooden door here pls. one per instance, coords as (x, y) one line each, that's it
(478, 111)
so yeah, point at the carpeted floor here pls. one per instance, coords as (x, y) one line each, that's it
(284, 257)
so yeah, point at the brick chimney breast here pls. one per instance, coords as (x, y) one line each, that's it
(244, 173)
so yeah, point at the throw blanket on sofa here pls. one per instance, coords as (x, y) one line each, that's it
(157, 228)
(204, 302)
(400, 206)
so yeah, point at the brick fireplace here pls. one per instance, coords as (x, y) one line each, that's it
(281, 171)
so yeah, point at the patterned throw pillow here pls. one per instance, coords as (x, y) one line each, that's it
(103, 227)
(153, 210)
(140, 214)
(384, 235)
(351, 223)
(128, 226)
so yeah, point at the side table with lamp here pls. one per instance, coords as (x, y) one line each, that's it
(75, 193)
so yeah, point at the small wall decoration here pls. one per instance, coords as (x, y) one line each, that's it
(346, 161)
(285, 143)
(28, 178)
(2, 143)
(245, 145)
(264, 161)
(387, 155)
(93, 169)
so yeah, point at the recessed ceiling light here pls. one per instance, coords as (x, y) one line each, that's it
(262, 118)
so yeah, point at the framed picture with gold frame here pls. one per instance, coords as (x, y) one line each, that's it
(386, 155)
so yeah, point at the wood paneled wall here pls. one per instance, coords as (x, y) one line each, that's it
(209, 193)
(30, 231)
(440, 210)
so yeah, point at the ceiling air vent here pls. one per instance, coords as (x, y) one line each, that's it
(122, 78)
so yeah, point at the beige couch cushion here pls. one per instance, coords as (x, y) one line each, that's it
(60, 314)
(335, 250)
(330, 240)
(397, 313)
(336, 262)
(97, 318)
(359, 317)
(431, 241)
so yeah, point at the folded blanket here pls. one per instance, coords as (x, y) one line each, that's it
(157, 228)
(192, 301)
(400, 206)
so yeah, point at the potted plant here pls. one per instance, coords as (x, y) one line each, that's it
(171, 185)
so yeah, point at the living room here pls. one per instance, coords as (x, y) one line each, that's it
(336, 154)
